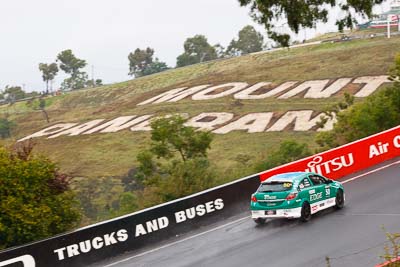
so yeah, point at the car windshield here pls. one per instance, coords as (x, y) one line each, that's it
(275, 187)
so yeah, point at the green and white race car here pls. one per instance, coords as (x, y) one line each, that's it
(295, 195)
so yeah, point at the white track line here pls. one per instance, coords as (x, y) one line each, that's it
(376, 170)
(374, 214)
(233, 222)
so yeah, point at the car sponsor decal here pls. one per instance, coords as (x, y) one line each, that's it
(287, 185)
(318, 165)
(347, 159)
(330, 201)
(323, 204)
(314, 208)
(316, 196)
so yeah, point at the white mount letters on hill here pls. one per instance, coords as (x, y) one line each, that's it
(240, 90)
(225, 122)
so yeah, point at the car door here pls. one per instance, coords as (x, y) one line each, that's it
(329, 190)
(316, 192)
(303, 188)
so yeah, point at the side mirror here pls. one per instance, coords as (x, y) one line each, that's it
(329, 181)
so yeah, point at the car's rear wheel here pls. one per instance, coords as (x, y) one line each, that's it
(260, 221)
(339, 199)
(305, 212)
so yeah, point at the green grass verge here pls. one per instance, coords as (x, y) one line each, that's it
(113, 155)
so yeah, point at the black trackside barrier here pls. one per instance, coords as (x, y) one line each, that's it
(111, 238)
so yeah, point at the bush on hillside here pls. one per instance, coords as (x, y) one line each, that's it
(99, 197)
(175, 164)
(179, 179)
(288, 151)
(36, 201)
(392, 249)
(5, 128)
(376, 113)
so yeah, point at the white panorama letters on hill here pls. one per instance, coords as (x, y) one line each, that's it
(313, 89)
(203, 122)
(251, 123)
(302, 121)
(246, 93)
(225, 122)
(50, 130)
(118, 124)
(78, 129)
(204, 95)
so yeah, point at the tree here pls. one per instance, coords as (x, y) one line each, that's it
(392, 249)
(74, 83)
(141, 63)
(376, 113)
(36, 201)
(14, 93)
(140, 60)
(197, 49)
(72, 65)
(39, 104)
(305, 14)
(42, 107)
(249, 41)
(182, 179)
(220, 51)
(95, 83)
(332, 112)
(127, 203)
(155, 67)
(5, 128)
(183, 168)
(170, 137)
(49, 71)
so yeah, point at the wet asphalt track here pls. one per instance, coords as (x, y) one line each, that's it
(349, 237)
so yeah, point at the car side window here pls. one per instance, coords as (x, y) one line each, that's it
(304, 184)
(317, 180)
(323, 180)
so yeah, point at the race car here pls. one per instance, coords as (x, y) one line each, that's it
(295, 195)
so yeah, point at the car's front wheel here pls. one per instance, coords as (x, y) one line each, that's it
(339, 199)
(305, 212)
(260, 221)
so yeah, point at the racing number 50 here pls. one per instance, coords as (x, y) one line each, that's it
(328, 192)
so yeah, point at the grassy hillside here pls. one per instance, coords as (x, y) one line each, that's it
(105, 155)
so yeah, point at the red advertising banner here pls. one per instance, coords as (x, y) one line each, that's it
(347, 159)
(392, 262)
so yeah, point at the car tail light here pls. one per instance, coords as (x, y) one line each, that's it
(253, 199)
(291, 196)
